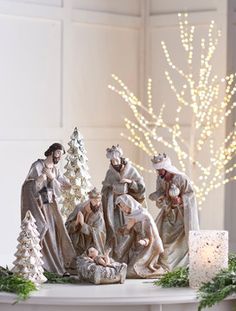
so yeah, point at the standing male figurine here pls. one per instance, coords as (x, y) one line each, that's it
(121, 178)
(86, 225)
(175, 197)
(40, 194)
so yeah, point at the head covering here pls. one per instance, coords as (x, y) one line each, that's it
(162, 161)
(94, 194)
(54, 147)
(114, 152)
(138, 213)
(136, 209)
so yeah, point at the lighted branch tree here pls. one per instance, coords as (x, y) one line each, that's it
(200, 95)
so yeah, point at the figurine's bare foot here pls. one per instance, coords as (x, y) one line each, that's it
(158, 270)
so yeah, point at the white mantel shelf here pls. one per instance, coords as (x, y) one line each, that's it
(133, 295)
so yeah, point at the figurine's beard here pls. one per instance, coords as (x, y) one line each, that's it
(163, 175)
(94, 208)
(117, 167)
(55, 160)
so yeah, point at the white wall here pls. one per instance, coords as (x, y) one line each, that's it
(164, 27)
(56, 59)
(56, 62)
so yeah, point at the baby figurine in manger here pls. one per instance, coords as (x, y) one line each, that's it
(100, 269)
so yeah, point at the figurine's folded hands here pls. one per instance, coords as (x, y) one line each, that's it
(79, 219)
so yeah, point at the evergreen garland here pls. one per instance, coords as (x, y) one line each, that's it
(13, 283)
(210, 293)
(176, 278)
(54, 278)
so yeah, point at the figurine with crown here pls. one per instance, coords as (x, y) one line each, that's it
(178, 214)
(86, 226)
(121, 178)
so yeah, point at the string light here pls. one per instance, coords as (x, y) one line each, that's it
(200, 94)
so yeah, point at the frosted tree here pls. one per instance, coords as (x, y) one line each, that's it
(28, 262)
(206, 97)
(77, 173)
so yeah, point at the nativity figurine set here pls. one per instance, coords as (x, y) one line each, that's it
(112, 236)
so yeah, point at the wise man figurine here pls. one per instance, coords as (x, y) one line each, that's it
(178, 214)
(86, 225)
(121, 178)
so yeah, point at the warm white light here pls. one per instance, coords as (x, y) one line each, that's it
(200, 95)
(208, 254)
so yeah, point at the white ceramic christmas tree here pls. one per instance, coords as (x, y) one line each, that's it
(28, 261)
(77, 173)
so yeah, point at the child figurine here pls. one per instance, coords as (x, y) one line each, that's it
(100, 269)
(103, 260)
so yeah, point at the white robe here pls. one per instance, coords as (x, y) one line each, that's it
(174, 224)
(57, 249)
(114, 218)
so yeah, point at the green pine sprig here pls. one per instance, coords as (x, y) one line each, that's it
(54, 278)
(220, 287)
(12, 283)
(177, 278)
(210, 293)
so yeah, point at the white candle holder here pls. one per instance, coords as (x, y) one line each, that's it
(208, 254)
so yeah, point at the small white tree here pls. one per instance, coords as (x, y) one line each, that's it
(29, 261)
(77, 173)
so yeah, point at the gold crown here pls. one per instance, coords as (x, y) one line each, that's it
(114, 149)
(94, 194)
